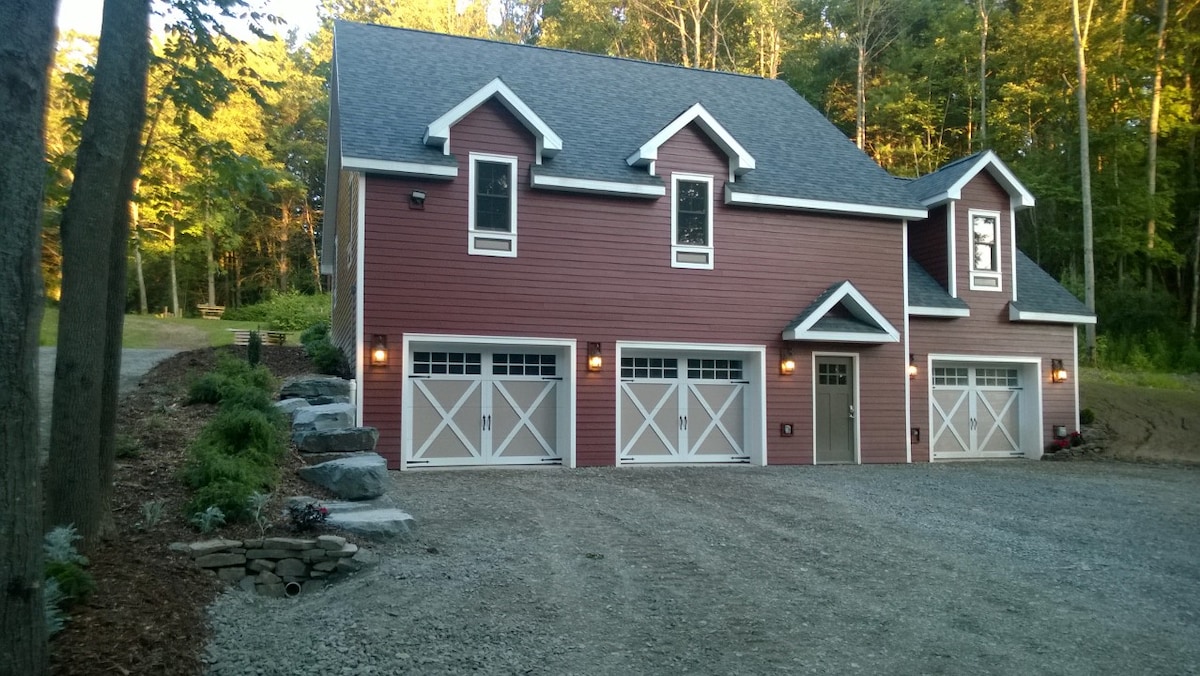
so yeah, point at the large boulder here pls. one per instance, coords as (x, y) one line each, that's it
(315, 387)
(349, 440)
(290, 406)
(324, 417)
(357, 477)
(375, 521)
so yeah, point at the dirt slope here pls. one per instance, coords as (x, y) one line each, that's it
(1146, 424)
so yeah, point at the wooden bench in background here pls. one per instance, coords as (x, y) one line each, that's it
(211, 311)
(242, 337)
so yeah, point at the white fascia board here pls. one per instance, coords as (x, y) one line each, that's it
(399, 168)
(923, 311)
(740, 160)
(593, 186)
(999, 171)
(755, 200)
(839, 337)
(1016, 315)
(859, 306)
(437, 133)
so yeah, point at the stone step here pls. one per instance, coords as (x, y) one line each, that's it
(323, 417)
(355, 477)
(316, 389)
(347, 440)
(382, 522)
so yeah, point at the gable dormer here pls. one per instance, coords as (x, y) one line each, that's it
(437, 132)
(740, 160)
(968, 243)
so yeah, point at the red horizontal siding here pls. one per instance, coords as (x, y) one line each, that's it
(927, 244)
(596, 268)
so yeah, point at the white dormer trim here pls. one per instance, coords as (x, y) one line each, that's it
(999, 171)
(858, 305)
(747, 199)
(1017, 315)
(740, 160)
(438, 131)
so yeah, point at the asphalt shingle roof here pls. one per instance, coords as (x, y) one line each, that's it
(937, 183)
(392, 82)
(925, 291)
(1037, 291)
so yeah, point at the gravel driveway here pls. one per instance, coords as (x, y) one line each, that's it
(1013, 568)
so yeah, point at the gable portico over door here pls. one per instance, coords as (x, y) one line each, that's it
(835, 408)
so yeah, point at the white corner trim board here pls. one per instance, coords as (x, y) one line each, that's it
(740, 160)
(437, 133)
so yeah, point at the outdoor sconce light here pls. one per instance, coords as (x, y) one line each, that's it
(912, 367)
(595, 360)
(379, 352)
(417, 199)
(787, 363)
(1058, 374)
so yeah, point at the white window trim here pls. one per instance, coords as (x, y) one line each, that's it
(996, 274)
(677, 248)
(474, 234)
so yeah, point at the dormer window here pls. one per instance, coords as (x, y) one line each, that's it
(493, 206)
(985, 250)
(691, 221)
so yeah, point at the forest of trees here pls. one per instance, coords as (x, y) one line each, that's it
(228, 204)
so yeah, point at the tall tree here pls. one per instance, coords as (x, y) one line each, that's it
(1080, 32)
(94, 235)
(25, 58)
(1152, 146)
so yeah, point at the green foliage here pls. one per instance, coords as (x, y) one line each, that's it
(325, 356)
(257, 504)
(64, 565)
(127, 446)
(290, 311)
(254, 349)
(318, 331)
(52, 602)
(1087, 416)
(208, 520)
(152, 512)
(235, 380)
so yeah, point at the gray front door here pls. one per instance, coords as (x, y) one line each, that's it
(834, 409)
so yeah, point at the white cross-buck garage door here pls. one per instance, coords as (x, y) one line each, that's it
(979, 411)
(684, 409)
(486, 405)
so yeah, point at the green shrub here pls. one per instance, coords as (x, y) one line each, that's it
(290, 311)
(317, 331)
(207, 464)
(1087, 416)
(245, 432)
(65, 565)
(231, 379)
(52, 601)
(327, 358)
(127, 446)
(230, 497)
(251, 398)
(254, 349)
(209, 519)
(255, 376)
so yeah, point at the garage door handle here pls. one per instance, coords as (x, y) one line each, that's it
(683, 422)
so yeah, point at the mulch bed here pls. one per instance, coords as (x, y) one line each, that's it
(147, 615)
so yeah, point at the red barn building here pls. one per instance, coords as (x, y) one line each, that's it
(575, 259)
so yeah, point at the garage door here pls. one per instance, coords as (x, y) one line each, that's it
(976, 410)
(683, 409)
(485, 406)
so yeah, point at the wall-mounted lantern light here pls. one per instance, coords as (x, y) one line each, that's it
(417, 199)
(379, 351)
(912, 367)
(787, 363)
(595, 359)
(1058, 374)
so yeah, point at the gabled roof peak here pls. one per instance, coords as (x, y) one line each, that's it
(437, 133)
(819, 321)
(740, 160)
(948, 181)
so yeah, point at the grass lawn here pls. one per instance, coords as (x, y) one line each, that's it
(142, 331)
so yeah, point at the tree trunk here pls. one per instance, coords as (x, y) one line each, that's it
(209, 246)
(1152, 149)
(1085, 170)
(860, 98)
(141, 276)
(95, 224)
(25, 57)
(983, 38)
(175, 312)
(1195, 279)
(312, 242)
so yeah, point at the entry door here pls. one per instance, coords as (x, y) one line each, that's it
(477, 407)
(679, 409)
(834, 410)
(976, 411)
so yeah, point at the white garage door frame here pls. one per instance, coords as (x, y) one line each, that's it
(1031, 404)
(566, 405)
(754, 358)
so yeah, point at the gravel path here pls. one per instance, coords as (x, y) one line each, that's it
(134, 365)
(1012, 568)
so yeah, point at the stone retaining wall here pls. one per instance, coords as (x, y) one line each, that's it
(267, 565)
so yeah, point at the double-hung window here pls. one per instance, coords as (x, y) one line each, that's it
(692, 221)
(985, 250)
(493, 205)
